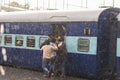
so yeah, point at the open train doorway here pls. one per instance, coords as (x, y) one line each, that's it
(107, 44)
(59, 30)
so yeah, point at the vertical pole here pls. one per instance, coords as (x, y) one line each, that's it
(55, 4)
(63, 4)
(103, 2)
(86, 3)
(113, 3)
(43, 4)
(0, 5)
(48, 4)
(37, 4)
(25, 4)
(9, 3)
(81, 3)
(28, 4)
(67, 4)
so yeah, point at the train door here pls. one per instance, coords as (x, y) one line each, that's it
(106, 44)
(59, 29)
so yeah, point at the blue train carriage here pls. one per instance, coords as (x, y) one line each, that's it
(23, 32)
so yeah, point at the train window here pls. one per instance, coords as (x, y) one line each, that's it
(42, 39)
(83, 45)
(30, 41)
(8, 40)
(87, 31)
(19, 41)
(0, 39)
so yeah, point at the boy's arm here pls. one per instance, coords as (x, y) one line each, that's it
(41, 48)
(55, 47)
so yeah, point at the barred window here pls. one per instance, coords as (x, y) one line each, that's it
(87, 31)
(30, 41)
(83, 45)
(19, 41)
(42, 40)
(8, 40)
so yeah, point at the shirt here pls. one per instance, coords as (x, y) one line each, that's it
(48, 50)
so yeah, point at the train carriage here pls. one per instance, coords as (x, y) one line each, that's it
(23, 32)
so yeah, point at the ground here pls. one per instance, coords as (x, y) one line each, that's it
(12, 73)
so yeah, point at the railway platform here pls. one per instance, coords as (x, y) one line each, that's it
(13, 73)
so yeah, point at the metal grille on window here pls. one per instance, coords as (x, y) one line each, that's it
(8, 40)
(30, 41)
(19, 41)
(87, 31)
(83, 45)
(42, 40)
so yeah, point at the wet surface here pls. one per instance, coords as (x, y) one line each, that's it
(12, 73)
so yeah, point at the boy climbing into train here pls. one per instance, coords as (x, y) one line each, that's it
(48, 51)
(50, 38)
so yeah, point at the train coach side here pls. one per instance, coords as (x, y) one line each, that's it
(23, 32)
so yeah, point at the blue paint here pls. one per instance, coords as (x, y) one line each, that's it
(46, 28)
(107, 42)
(77, 28)
(118, 68)
(78, 63)
(81, 64)
(24, 58)
(86, 61)
(28, 28)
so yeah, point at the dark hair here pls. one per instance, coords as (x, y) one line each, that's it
(47, 42)
(53, 40)
(50, 34)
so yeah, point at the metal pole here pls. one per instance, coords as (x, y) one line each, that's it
(67, 4)
(25, 4)
(48, 4)
(81, 3)
(37, 4)
(103, 2)
(113, 3)
(0, 5)
(43, 4)
(55, 4)
(28, 4)
(9, 3)
(63, 4)
(86, 3)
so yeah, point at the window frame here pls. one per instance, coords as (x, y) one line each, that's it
(42, 40)
(87, 31)
(21, 39)
(30, 40)
(8, 42)
(83, 45)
